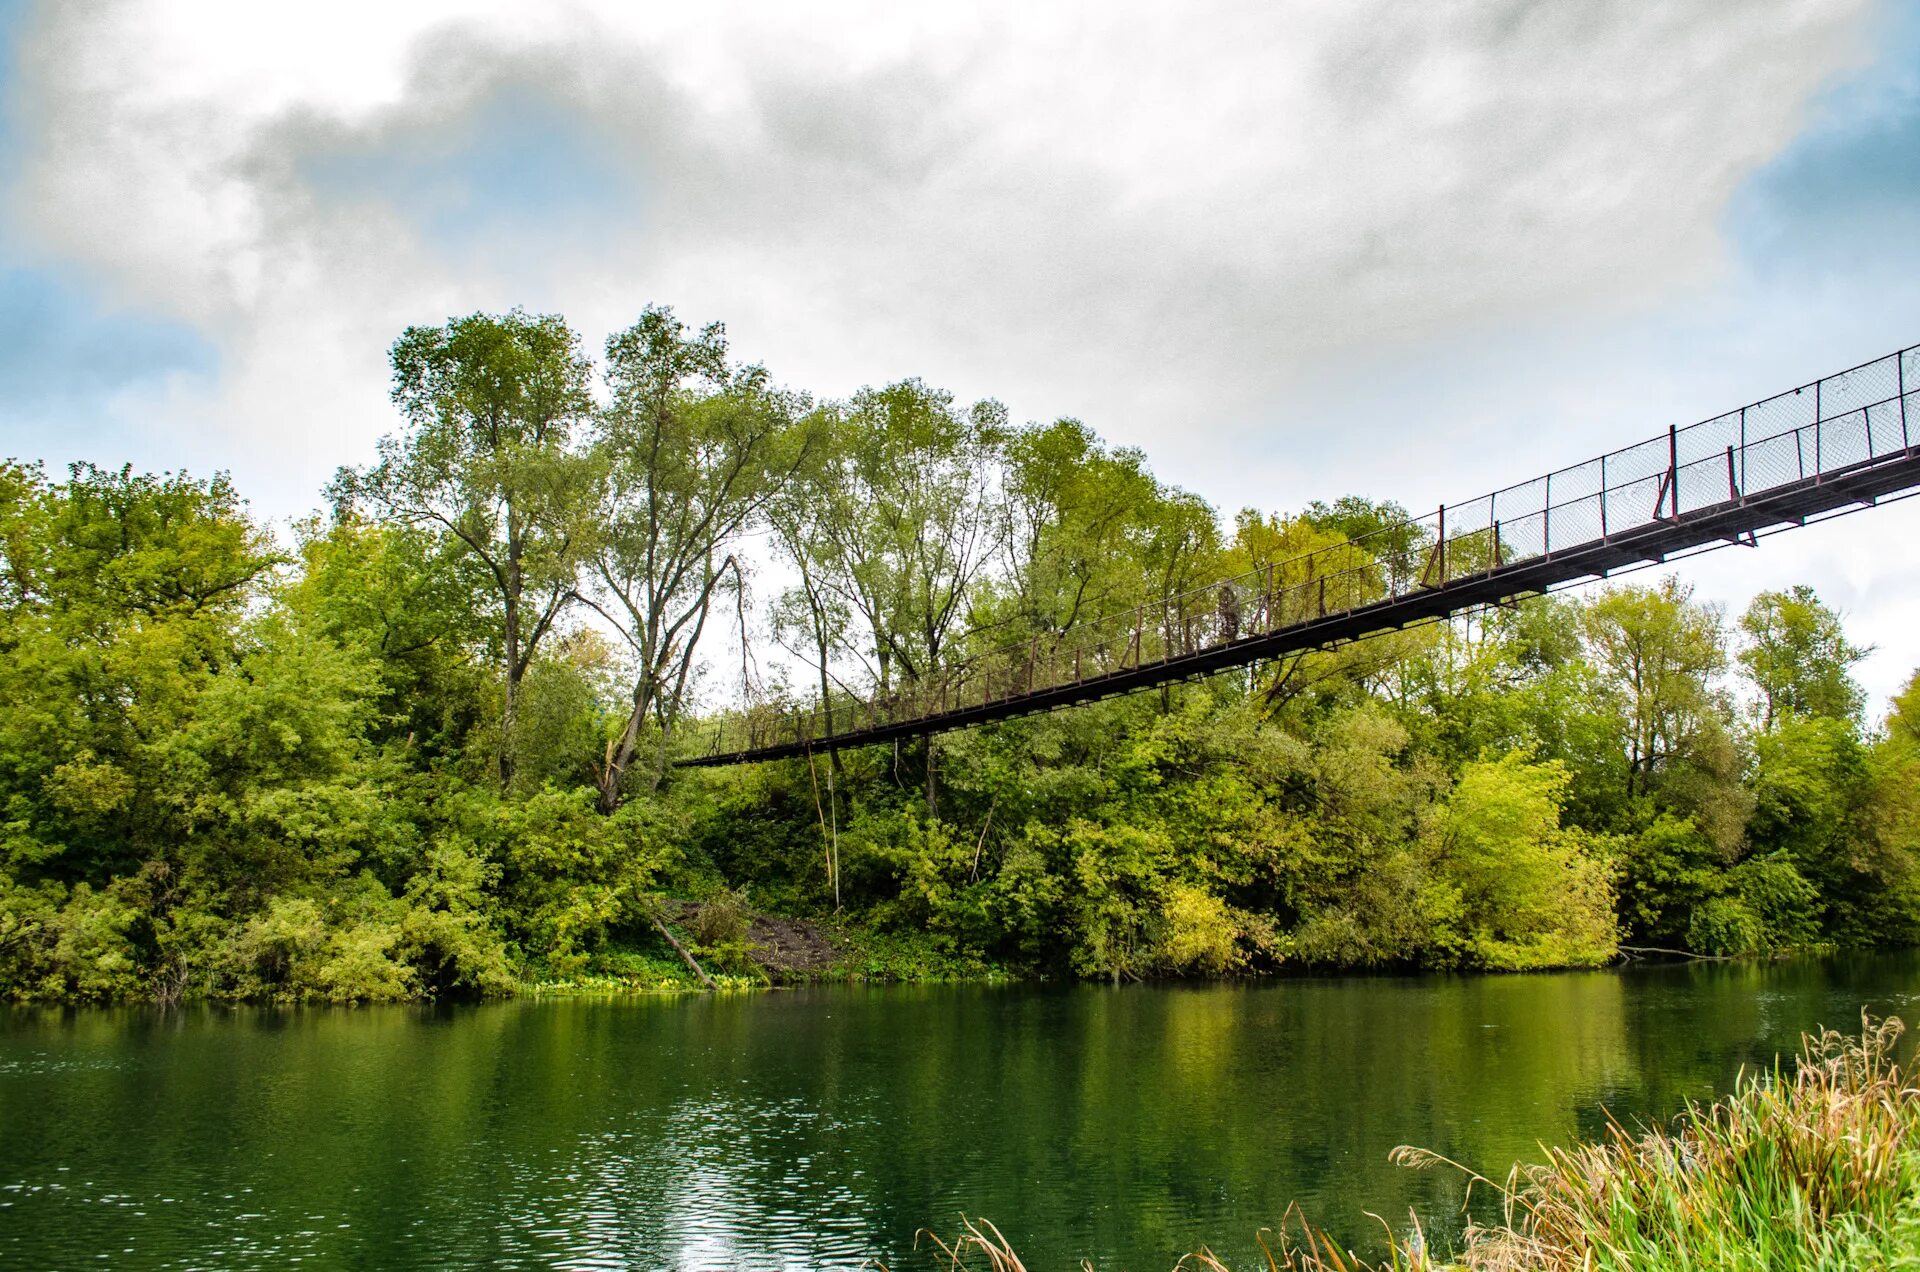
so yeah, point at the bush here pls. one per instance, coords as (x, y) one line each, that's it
(1531, 892)
(719, 930)
(1199, 932)
(1786, 905)
(1724, 926)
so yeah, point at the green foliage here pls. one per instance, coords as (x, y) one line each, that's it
(1724, 926)
(1667, 871)
(426, 752)
(719, 930)
(1799, 659)
(1531, 892)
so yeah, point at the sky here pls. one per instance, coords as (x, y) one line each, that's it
(1290, 249)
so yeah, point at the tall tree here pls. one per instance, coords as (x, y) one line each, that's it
(492, 403)
(1903, 721)
(121, 599)
(1657, 652)
(906, 524)
(693, 449)
(1799, 659)
(902, 525)
(1073, 514)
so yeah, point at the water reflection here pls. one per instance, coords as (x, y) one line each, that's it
(822, 1129)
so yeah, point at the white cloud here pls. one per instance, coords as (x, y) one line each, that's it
(1291, 249)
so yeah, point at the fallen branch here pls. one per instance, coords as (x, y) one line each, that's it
(1686, 954)
(661, 928)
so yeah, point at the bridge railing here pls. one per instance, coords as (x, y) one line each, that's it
(1836, 424)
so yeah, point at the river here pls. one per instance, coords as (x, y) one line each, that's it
(824, 1127)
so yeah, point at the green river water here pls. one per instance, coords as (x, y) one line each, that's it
(822, 1128)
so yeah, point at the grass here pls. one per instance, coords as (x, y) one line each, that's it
(1812, 1166)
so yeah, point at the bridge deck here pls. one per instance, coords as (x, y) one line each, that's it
(1862, 452)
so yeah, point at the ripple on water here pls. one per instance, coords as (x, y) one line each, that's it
(825, 1129)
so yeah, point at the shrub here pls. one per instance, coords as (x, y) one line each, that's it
(1724, 926)
(1199, 932)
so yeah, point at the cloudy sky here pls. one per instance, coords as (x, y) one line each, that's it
(1291, 249)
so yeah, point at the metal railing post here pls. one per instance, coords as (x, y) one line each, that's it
(1603, 499)
(1440, 551)
(1743, 447)
(1673, 470)
(1899, 381)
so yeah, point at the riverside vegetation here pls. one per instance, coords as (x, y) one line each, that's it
(419, 746)
(1812, 1168)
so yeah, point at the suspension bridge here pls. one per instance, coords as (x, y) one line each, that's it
(1839, 444)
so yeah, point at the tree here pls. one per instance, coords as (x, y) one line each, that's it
(1811, 782)
(1299, 563)
(1657, 652)
(1799, 659)
(491, 403)
(125, 595)
(1903, 721)
(908, 525)
(693, 449)
(415, 600)
(1531, 894)
(1074, 511)
(895, 528)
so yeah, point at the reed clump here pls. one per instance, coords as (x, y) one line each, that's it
(1813, 1167)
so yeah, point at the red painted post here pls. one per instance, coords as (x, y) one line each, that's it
(1673, 469)
(1743, 442)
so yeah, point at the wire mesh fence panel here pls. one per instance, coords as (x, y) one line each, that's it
(1709, 439)
(1523, 538)
(1634, 503)
(1863, 386)
(1884, 433)
(1844, 442)
(1908, 377)
(1781, 414)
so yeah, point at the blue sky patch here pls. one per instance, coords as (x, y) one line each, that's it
(62, 343)
(516, 163)
(63, 347)
(1849, 185)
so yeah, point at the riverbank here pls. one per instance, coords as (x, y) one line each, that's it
(1813, 1165)
(741, 949)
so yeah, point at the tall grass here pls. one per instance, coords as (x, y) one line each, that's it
(1815, 1166)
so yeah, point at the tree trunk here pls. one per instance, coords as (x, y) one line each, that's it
(622, 754)
(680, 949)
(933, 803)
(510, 706)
